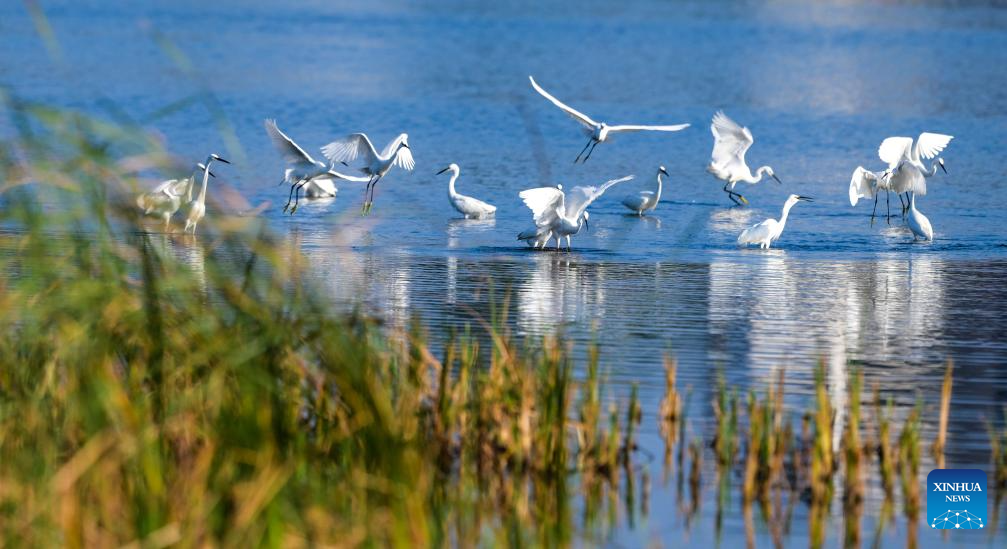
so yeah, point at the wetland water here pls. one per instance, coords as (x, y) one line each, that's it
(819, 86)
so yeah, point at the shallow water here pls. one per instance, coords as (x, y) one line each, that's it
(820, 87)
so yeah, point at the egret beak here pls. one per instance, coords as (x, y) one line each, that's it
(444, 170)
(777, 179)
(664, 171)
(806, 198)
(211, 173)
(942, 167)
(344, 163)
(587, 226)
(222, 160)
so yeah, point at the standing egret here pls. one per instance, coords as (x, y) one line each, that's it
(868, 184)
(197, 209)
(165, 199)
(769, 231)
(899, 151)
(727, 162)
(395, 153)
(303, 170)
(918, 223)
(598, 131)
(553, 212)
(471, 208)
(646, 200)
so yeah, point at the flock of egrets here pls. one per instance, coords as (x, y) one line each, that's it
(557, 214)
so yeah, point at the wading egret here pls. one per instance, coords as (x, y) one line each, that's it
(868, 184)
(471, 208)
(899, 152)
(646, 200)
(395, 153)
(769, 231)
(599, 131)
(303, 170)
(562, 216)
(727, 162)
(165, 199)
(197, 209)
(918, 223)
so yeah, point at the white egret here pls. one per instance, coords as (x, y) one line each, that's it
(767, 232)
(918, 223)
(165, 199)
(900, 152)
(727, 162)
(395, 153)
(197, 209)
(303, 170)
(646, 200)
(471, 208)
(558, 216)
(868, 184)
(599, 131)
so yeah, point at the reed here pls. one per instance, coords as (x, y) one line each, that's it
(822, 465)
(998, 454)
(937, 449)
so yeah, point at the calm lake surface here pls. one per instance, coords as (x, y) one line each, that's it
(819, 86)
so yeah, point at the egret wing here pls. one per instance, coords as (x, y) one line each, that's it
(348, 148)
(863, 184)
(760, 232)
(339, 175)
(894, 149)
(543, 203)
(929, 145)
(582, 197)
(404, 159)
(164, 186)
(574, 113)
(290, 151)
(637, 128)
(730, 140)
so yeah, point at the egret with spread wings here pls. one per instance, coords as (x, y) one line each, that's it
(598, 131)
(905, 161)
(867, 184)
(376, 165)
(727, 162)
(558, 215)
(303, 170)
(769, 231)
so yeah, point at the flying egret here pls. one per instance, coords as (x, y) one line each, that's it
(471, 208)
(767, 232)
(646, 200)
(901, 151)
(554, 213)
(598, 131)
(197, 209)
(165, 199)
(727, 162)
(395, 153)
(303, 171)
(918, 223)
(868, 184)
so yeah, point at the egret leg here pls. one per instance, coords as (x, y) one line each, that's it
(905, 208)
(568, 247)
(888, 205)
(875, 208)
(290, 195)
(367, 194)
(373, 186)
(589, 141)
(730, 194)
(595, 144)
(297, 195)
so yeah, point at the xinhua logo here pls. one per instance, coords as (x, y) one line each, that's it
(956, 499)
